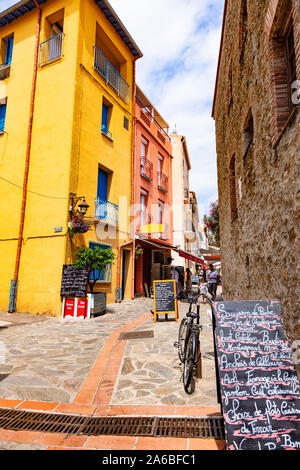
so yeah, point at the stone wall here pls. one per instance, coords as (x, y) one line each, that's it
(260, 244)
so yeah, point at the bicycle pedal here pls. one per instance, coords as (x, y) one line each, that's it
(176, 345)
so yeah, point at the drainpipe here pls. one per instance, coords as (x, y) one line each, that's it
(133, 180)
(12, 304)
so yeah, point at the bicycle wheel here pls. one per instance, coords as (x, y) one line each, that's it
(181, 338)
(189, 361)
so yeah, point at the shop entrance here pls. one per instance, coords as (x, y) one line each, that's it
(125, 270)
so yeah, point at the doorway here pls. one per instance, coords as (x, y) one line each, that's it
(125, 271)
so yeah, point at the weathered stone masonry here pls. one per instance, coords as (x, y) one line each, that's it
(257, 139)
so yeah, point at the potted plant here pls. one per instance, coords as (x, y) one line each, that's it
(96, 261)
(78, 225)
(138, 251)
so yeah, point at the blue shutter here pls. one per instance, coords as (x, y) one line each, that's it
(2, 117)
(102, 195)
(9, 50)
(104, 122)
(102, 185)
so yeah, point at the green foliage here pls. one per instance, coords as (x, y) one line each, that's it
(95, 260)
(212, 223)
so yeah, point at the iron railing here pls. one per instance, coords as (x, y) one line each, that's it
(106, 211)
(105, 131)
(51, 50)
(111, 75)
(163, 181)
(146, 168)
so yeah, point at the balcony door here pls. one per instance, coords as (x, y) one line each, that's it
(102, 194)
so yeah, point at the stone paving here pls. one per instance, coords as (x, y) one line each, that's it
(48, 360)
(86, 367)
(151, 371)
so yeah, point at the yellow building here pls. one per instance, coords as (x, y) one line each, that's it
(66, 104)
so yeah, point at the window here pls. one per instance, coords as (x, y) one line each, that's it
(2, 117)
(144, 150)
(232, 187)
(291, 59)
(6, 56)
(248, 134)
(9, 42)
(51, 49)
(159, 169)
(126, 123)
(105, 275)
(282, 59)
(143, 211)
(230, 88)
(243, 27)
(106, 118)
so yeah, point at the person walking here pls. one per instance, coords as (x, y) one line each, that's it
(203, 288)
(213, 277)
(188, 282)
(175, 276)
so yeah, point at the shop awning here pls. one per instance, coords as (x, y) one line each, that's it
(190, 257)
(167, 246)
(157, 243)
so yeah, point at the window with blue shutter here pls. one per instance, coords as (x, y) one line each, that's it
(106, 113)
(101, 210)
(2, 117)
(105, 276)
(9, 50)
(104, 123)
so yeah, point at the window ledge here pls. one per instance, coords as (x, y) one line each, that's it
(288, 122)
(107, 136)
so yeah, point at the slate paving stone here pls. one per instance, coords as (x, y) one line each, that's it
(49, 359)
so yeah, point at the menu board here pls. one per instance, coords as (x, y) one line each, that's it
(74, 281)
(164, 297)
(259, 386)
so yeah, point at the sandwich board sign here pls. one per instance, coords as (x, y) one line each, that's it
(164, 293)
(260, 391)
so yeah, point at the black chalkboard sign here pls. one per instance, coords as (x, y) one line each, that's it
(74, 281)
(164, 298)
(259, 387)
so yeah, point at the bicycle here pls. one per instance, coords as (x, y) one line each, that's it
(188, 344)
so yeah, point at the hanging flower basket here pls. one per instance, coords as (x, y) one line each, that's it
(78, 225)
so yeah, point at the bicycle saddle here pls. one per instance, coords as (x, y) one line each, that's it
(192, 315)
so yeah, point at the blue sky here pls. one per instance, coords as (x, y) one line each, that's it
(180, 42)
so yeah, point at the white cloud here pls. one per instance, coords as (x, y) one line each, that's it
(180, 42)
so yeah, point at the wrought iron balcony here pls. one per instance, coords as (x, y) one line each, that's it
(106, 211)
(111, 75)
(51, 50)
(163, 182)
(146, 169)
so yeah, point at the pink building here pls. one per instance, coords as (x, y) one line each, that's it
(153, 225)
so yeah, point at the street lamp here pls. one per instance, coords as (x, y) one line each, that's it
(82, 207)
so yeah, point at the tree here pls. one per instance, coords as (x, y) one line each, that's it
(212, 224)
(95, 260)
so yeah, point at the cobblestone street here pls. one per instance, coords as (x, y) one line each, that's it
(49, 360)
(85, 367)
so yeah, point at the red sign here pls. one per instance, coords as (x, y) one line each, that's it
(69, 308)
(81, 308)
